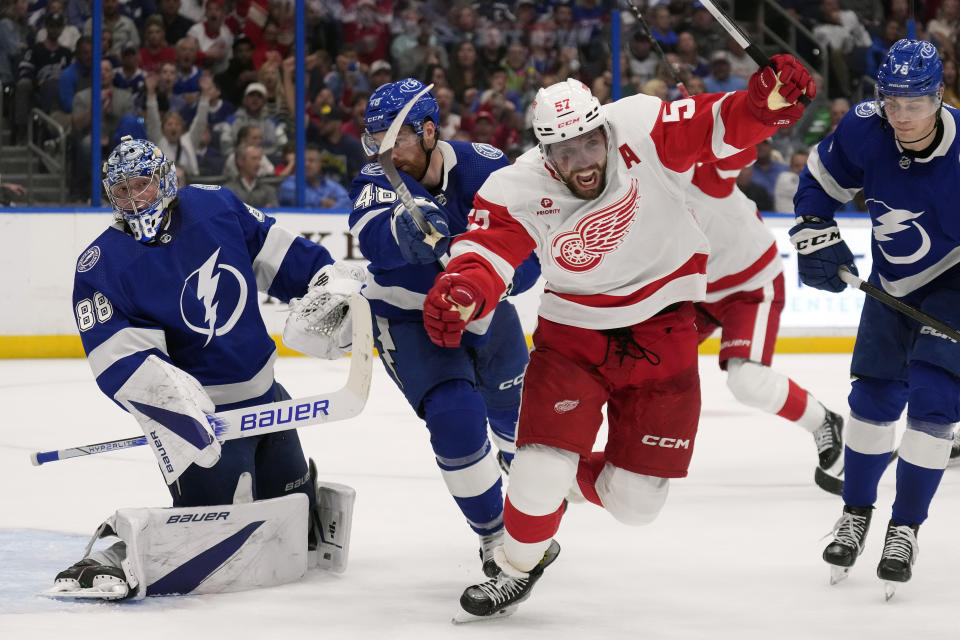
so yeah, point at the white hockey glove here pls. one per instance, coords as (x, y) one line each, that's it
(319, 323)
(172, 409)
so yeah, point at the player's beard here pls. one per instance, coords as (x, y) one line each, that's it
(416, 168)
(587, 192)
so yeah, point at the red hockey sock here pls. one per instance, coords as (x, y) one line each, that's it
(530, 529)
(587, 473)
(795, 404)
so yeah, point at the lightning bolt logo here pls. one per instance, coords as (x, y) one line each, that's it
(207, 291)
(386, 341)
(892, 222)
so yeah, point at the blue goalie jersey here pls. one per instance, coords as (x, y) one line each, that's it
(916, 229)
(399, 288)
(190, 298)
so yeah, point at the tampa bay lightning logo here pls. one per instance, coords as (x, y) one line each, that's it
(410, 85)
(88, 259)
(892, 222)
(866, 109)
(206, 286)
(372, 169)
(487, 150)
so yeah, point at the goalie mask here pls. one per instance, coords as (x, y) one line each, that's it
(140, 184)
(909, 82)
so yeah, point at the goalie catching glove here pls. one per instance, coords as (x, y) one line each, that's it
(173, 411)
(319, 323)
(821, 252)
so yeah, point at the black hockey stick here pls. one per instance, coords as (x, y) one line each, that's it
(898, 305)
(741, 38)
(656, 45)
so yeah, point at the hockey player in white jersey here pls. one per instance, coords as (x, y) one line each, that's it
(745, 296)
(902, 150)
(166, 304)
(601, 202)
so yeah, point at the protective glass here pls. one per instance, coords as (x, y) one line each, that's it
(578, 153)
(908, 109)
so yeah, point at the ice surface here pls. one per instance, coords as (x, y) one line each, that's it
(735, 553)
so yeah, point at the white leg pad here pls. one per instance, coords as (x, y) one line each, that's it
(213, 549)
(756, 385)
(540, 478)
(631, 498)
(333, 523)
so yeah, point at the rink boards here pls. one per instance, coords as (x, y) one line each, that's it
(40, 248)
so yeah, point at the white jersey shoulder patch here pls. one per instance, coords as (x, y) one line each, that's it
(89, 259)
(866, 109)
(487, 150)
(256, 213)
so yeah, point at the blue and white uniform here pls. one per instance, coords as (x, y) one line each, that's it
(190, 298)
(456, 391)
(897, 362)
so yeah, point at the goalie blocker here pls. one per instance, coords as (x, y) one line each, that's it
(220, 548)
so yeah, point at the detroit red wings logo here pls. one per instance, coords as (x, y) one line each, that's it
(597, 234)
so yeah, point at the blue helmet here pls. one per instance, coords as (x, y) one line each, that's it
(387, 101)
(912, 68)
(133, 159)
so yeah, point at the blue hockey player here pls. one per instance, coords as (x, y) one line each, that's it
(457, 392)
(901, 148)
(166, 304)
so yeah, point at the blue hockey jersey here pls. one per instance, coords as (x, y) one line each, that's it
(191, 297)
(916, 230)
(398, 288)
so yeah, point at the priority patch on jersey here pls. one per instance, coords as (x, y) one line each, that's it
(256, 213)
(866, 109)
(206, 187)
(88, 259)
(372, 169)
(487, 150)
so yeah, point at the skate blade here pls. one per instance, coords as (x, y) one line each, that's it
(114, 592)
(838, 574)
(889, 590)
(462, 617)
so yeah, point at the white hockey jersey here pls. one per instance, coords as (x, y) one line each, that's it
(621, 258)
(743, 252)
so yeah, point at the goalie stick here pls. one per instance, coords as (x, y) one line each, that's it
(344, 403)
(385, 156)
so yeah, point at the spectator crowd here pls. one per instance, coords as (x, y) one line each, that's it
(212, 81)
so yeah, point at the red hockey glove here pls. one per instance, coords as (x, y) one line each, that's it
(450, 305)
(773, 92)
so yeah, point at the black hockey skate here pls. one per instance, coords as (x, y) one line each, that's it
(954, 452)
(899, 554)
(499, 596)
(90, 579)
(829, 439)
(487, 544)
(849, 536)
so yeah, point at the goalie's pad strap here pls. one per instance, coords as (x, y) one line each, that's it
(213, 549)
